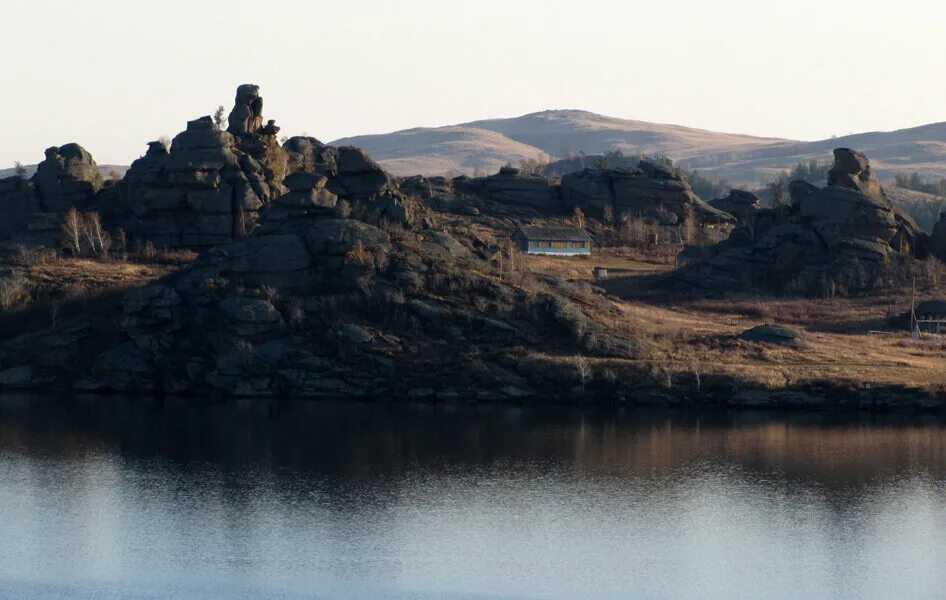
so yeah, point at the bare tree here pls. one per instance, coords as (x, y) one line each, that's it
(98, 240)
(608, 214)
(72, 231)
(579, 218)
(532, 166)
(584, 371)
(19, 170)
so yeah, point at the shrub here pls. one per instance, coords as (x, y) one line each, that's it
(14, 292)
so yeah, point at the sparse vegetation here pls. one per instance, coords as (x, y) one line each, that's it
(83, 234)
(14, 292)
(219, 119)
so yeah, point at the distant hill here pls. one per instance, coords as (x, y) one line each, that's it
(740, 159)
(488, 145)
(107, 171)
(921, 149)
(458, 149)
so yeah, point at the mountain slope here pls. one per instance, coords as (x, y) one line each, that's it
(107, 171)
(559, 132)
(458, 149)
(740, 159)
(921, 149)
(489, 144)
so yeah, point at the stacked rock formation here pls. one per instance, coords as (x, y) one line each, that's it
(740, 204)
(33, 210)
(653, 192)
(68, 177)
(513, 189)
(840, 237)
(352, 174)
(201, 192)
(308, 194)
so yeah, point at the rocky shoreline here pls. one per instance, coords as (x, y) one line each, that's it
(321, 276)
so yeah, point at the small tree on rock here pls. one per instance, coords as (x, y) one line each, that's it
(219, 119)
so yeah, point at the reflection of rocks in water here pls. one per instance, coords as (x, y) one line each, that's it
(359, 442)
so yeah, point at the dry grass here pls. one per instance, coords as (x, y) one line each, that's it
(74, 287)
(616, 260)
(845, 339)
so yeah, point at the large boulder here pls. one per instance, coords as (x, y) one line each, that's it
(358, 176)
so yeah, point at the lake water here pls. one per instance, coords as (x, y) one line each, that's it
(113, 498)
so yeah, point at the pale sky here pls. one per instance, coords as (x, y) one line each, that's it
(114, 74)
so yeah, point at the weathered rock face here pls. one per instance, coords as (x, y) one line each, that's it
(514, 189)
(839, 238)
(652, 191)
(437, 193)
(67, 177)
(247, 114)
(33, 210)
(563, 167)
(937, 240)
(18, 202)
(358, 177)
(740, 204)
(352, 175)
(313, 305)
(205, 191)
(309, 155)
(307, 195)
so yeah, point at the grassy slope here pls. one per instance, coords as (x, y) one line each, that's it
(846, 340)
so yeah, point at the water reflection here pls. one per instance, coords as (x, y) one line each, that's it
(153, 498)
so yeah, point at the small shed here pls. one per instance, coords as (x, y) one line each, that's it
(556, 241)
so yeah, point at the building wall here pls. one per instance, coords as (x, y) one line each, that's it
(556, 248)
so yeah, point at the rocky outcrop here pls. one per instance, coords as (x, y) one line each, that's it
(67, 177)
(18, 202)
(314, 305)
(835, 239)
(740, 204)
(358, 177)
(514, 189)
(612, 160)
(247, 114)
(202, 192)
(938, 238)
(33, 210)
(350, 173)
(773, 334)
(653, 192)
